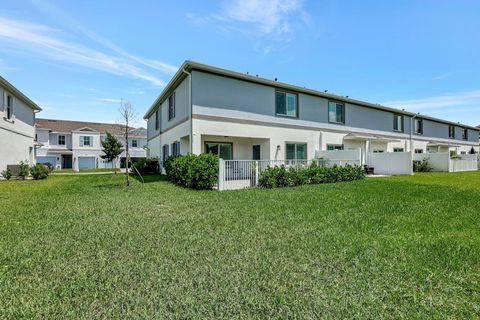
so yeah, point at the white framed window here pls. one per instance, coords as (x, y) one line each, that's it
(398, 149)
(465, 134)
(332, 147)
(378, 151)
(61, 140)
(224, 150)
(418, 126)
(398, 122)
(451, 132)
(86, 141)
(134, 143)
(176, 148)
(418, 151)
(171, 106)
(336, 112)
(165, 153)
(295, 151)
(8, 101)
(286, 104)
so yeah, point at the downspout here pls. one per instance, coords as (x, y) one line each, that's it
(411, 139)
(190, 108)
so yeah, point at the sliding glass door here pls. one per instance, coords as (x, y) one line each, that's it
(224, 150)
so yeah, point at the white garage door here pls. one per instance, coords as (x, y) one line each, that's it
(86, 162)
(51, 160)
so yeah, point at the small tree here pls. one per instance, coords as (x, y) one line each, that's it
(112, 148)
(128, 115)
(23, 169)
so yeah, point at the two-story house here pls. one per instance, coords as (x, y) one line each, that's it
(240, 116)
(77, 145)
(17, 126)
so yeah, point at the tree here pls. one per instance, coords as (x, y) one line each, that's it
(128, 115)
(112, 148)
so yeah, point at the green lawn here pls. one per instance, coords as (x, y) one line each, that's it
(86, 170)
(87, 247)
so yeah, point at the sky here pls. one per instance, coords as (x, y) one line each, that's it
(78, 59)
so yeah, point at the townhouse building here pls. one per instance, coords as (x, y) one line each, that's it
(67, 144)
(239, 116)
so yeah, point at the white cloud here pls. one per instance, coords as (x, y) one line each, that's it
(269, 22)
(40, 39)
(450, 101)
(267, 16)
(109, 100)
(136, 92)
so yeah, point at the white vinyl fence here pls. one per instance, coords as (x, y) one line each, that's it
(441, 161)
(341, 157)
(390, 163)
(466, 162)
(240, 174)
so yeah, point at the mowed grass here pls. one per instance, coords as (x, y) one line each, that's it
(88, 247)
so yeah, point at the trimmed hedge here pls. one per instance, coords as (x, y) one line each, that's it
(280, 176)
(147, 166)
(39, 171)
(193, 171)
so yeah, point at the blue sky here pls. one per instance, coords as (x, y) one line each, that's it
(77, 59)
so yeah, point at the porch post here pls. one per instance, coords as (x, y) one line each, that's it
(256, 173)
(221, 174)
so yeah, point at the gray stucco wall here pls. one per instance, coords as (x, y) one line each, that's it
(216, 91)
(182, 108)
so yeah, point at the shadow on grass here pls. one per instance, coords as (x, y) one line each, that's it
(149, 178)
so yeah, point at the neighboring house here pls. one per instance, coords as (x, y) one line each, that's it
(239, 116)
(17, 126)
(77, 145)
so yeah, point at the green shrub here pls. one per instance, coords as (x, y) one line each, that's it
(147, 166)
(23, 169)
(422, 165)
(39, 171)
(279, 176)
(193, 171)
(7, 174)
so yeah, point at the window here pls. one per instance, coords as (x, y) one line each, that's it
(296, 151)
(134, 143)
(165, 153)
(397, 149)
(224, 150)
(332, 147)
(286, 104)
(418, 126)
(418, 150)
(9, 106)
(85, 141)
(465, 134)
(378, 151)
(36, 137)
(171, 106)
(398, 122)
(61, 140)
(176, 148)
(157, 119)
(336, 112)
(451, 132)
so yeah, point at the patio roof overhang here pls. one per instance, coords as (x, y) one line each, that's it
(441, 144)
(60, 151)
(368, 137)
